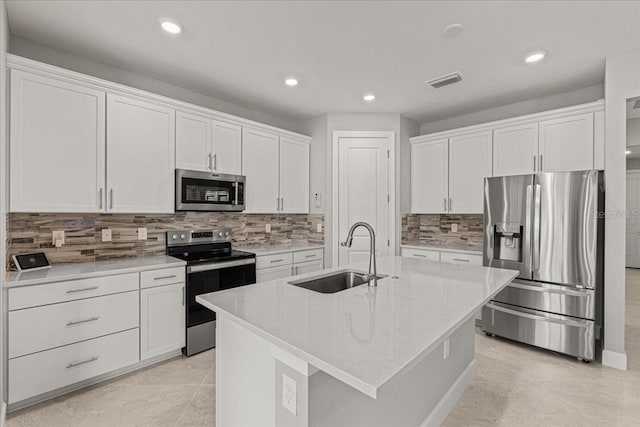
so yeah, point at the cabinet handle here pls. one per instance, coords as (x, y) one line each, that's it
(92, 288)
(534, 162)
(460, 259)
(282, 204)
(540, 162)
(210, 162)
(276, 260)
(100, 198)
(80, 322)
(215, 162)
(309, 256)
(164, 277)
(445, 204)
(295, 270)
(84, 362)
(278, 204)
(450, 204)
(183, 296)
(420, 255)
(111, 198)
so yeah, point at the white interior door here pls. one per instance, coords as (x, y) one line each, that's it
(363, 195)
(633, 222)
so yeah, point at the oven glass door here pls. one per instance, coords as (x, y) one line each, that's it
(208, 191)
(204, 282)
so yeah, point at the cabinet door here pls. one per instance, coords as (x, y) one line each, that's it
(566, 144)
(260, 159)
(420, 254)
(429, 180)
(469, 164)
(193, 142)
(294, 176)
(57, 146)
(140, 156)
(307, 267)
(515, 150)
(162, 320)
(273, 273)
(227, 147)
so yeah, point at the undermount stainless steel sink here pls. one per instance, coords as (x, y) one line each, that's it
(333, 282)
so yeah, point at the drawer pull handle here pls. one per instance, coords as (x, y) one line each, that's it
(84, 362)
(165, 277)
(420, 255)
(310, 256)
(461, 260)
(276, 260)
(80, 322)
(92, 288)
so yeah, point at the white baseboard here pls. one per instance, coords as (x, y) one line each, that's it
(614, 359)
(449, 400)
(3, 413)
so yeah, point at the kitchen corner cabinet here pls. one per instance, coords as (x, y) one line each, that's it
(277, 172)
(140, 156)
(57, 145)
(162, 319)
(208, 145)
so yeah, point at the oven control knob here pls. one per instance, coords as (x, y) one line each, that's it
(220, 234)
(175, 236)
(182, 236)
(226, 234)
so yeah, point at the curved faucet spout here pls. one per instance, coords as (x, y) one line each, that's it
(373, 278)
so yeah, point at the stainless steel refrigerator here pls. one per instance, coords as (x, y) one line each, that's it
(549, 226)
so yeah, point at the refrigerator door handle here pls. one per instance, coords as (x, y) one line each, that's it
(536, 227)
(527, 228)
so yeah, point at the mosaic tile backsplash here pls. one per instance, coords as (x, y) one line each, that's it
(31, 232)
(437, 229)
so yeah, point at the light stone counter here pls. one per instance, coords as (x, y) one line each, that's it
(443, 247)
(278, 248)
(85, 270)
(364, 336)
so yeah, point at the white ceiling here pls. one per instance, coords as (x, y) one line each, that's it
(240, 51)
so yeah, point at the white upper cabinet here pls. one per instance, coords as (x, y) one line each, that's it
(208, 145)
(429, 176)
(193, 142)
(260, 164)
(294, 173)
(515, 150)
(140, 156)
(226, 147)
(57, 145)
(566, 143)
(469, 163)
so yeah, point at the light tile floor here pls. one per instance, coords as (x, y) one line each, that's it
(517, 385)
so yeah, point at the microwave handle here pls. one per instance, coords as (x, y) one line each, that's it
(235, 200)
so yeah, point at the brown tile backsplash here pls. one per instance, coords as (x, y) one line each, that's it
(31, 232)
(437, 229)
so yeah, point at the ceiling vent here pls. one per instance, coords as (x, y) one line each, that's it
(636, 105)
(445, 80)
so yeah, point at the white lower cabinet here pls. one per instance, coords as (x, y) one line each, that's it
(287, 264)
(162, 319)
(42, 372)
(307, 267)
(273, 273)
(420, 254)
(461, 258)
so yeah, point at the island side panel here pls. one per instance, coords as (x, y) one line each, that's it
(422, 396)
(245, 380)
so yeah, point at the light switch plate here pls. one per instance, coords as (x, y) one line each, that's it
(57, 238)
(454, 228)
(267, 228)
(106, 234)
(317, 198)
(289, 398)
(142, 233)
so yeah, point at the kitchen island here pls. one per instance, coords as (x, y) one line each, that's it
(401, 353)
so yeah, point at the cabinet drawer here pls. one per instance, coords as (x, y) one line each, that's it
(273, 273)
(420, 254)
(307, 267)
(41, 328)
(48, 370)
(51, 293)
(453, 257)
(165, 276)
(304, 256)
(276, 260)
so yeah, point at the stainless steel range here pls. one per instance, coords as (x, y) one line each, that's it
(549, 226)
(212, 265)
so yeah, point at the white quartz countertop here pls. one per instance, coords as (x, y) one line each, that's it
(278, 248)
(443, 247)
(84, 270)
(364, 336)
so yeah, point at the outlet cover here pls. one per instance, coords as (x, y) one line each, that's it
(289, 398)
(267, 228)
(319, 228)
(454, 228)
(142, 233)
(57, 238)
(106, 234)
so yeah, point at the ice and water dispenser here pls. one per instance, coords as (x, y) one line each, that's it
(508, 241)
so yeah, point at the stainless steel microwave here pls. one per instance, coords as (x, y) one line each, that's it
(207, 191)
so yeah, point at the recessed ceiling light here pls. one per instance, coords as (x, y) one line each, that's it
(170, 26)
(452, 30)
(369, 97)
(535, 57)
(627, 152)
(290, 81)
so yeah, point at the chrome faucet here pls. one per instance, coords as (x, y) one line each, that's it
(371, 279)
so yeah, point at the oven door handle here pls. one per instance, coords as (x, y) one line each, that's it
(219, 265)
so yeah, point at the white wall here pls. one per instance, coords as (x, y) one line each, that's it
(565, 99)
(622, 81)
(633, 132)
(84, 65)
(316, 128)
(4, 46)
